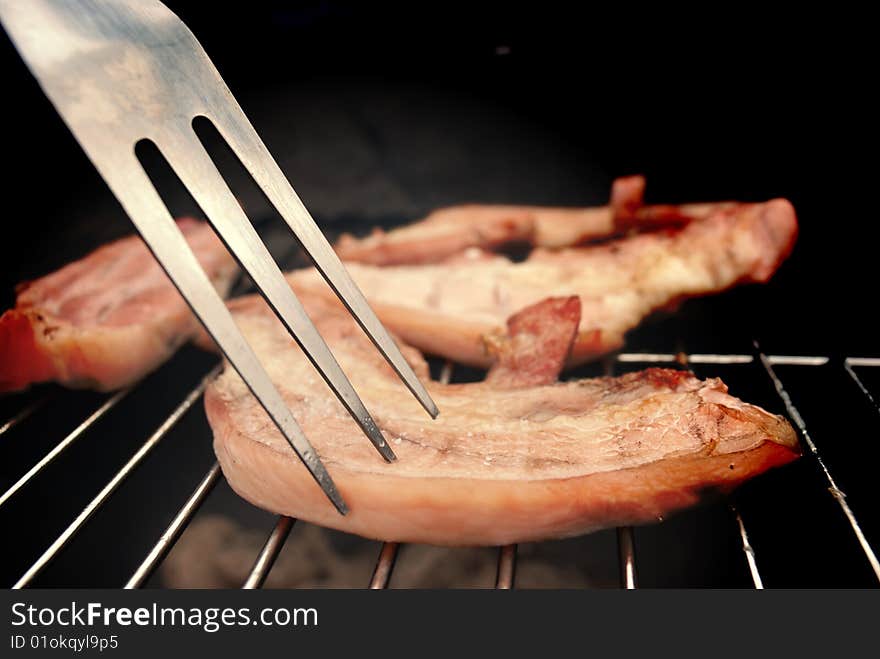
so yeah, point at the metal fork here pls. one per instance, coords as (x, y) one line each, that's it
(123, 71)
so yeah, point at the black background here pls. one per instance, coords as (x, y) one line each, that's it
(737, 102)
(379, 113)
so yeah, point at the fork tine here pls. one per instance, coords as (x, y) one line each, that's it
(142, 203)
(199, 174)
(238, 132)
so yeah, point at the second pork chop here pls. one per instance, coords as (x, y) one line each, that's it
(457, 310)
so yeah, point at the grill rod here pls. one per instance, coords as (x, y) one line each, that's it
(748, 550)
(175, 529)
(384, 566)
(269, 552)
(836, 492)
(626, 548)
(504, 579)
(697, 358)
(848, 364)
(24, 413)
(111, 487)
(77, 432)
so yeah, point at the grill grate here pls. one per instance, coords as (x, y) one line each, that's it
(107, 491)
(384, 567)
(65, 443)
(835, 491)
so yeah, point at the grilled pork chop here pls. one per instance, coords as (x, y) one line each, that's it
(507, 460)
(458, 309)
(106, 320)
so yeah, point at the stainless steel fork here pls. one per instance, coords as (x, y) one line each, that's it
(122, 71)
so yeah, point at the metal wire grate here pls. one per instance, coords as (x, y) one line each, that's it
(384, 567)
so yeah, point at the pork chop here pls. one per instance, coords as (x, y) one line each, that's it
(456, 309)
(447, 231)
(505, 461)
(106, 320)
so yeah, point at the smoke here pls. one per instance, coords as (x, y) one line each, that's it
(217, 552)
